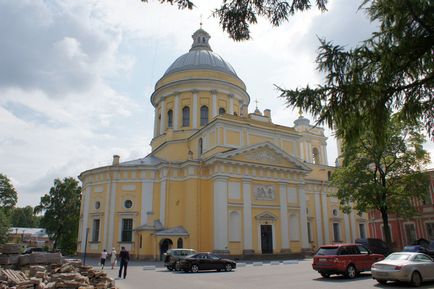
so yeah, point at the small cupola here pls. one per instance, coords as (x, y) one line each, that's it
(200, 40)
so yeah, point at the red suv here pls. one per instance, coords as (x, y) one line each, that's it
(346, 259)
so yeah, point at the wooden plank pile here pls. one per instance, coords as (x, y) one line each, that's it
(54, 276)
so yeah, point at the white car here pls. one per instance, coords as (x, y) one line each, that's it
(404, 266)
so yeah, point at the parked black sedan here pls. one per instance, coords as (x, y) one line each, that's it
(205, 261)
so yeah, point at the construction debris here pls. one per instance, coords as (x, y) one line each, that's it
(71, 274)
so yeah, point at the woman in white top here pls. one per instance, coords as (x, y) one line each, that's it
(103, 257)
(113, 257)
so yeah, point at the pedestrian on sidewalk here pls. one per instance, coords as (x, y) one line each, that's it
(113, 257)
(124, 257)
(103, 257)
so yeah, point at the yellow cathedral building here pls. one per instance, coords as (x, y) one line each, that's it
(218, 178)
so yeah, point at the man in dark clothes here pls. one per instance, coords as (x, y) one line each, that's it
(124, 256)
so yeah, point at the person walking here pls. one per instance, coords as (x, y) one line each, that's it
(113, 257)
(103, 257)
(124, 255)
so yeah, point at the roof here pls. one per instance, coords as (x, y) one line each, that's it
(200, 56)
(148, 160)
(176, 231)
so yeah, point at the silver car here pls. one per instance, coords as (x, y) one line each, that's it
(404, 266)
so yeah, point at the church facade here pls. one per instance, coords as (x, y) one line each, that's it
(218, 178)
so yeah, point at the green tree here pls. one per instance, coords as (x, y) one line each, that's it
(384, 177)
(236, 16)
(24, 217)
(8, 199)
(61, 207)
(391, 71)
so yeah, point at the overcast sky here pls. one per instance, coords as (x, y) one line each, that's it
(76, 76)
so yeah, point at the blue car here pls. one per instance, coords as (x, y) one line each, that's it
(415, 248)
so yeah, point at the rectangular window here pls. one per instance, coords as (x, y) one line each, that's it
(336, 232)
(362, 231)
(309, 235)
(95, 230)
(430, 230)
(410, 232)
(127, 230)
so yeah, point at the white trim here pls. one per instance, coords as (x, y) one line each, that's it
(324, 153)
(111, 214)
(163, 117)
(405, 231)
(86, 197)
(347, 228)
(353, 226)
(220, 214)
(303, 218)
(284, 216)
(176, 113)
(301, 152)
(231, 104)
(326, 218)
(156, 123)
(318, 221)
(147, 199)
(162, 201)
(214, 103)
(195, 103)
(247, 215)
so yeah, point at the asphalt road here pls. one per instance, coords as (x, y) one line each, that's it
(267, 276)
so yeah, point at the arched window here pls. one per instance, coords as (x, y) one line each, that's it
(222, 110)
(200, 146)
(170, 118)
(186, 116)
(315, 156)
(203, 115)
(235, 226)
(179, 243)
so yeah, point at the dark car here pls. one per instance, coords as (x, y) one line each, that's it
(421, 246)
(30, 250)
(376, 246)
(346, 259)
(206, 261)
(172, 256)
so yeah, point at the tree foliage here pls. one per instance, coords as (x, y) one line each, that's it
(391, 71)
(24, 217)
(236, 16)
(4, 226)
(8, 195)
(386, 177)
(61, 207)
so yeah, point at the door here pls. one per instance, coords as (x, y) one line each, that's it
(267, 239)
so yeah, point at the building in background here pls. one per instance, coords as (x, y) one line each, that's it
(30, 237)
(218, 178)
(405, 231)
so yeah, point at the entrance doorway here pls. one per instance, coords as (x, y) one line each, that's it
(267, 239)
(165, 244)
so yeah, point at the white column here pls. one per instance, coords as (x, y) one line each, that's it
(195, 104)
(347, 228)
(176, 113)
(247, 215)
(318, 218)
(284, 217)
(162, 201)
(220, 214)
(156, 122)
(302, 151)
(303, 218)
(214, 102)
(147, 198)
(231, 104)
(309, 153)
(86, 198)
(353, 226)
(163, 116)
(325, 213)
(111, 214)
(324, 153)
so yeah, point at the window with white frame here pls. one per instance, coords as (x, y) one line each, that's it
(127, 230)
(430, 230)
(336, 232)
(95, 230)
(410, 232)
(362, 231)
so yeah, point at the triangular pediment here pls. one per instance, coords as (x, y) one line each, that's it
(266, 216)
(265, 154)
